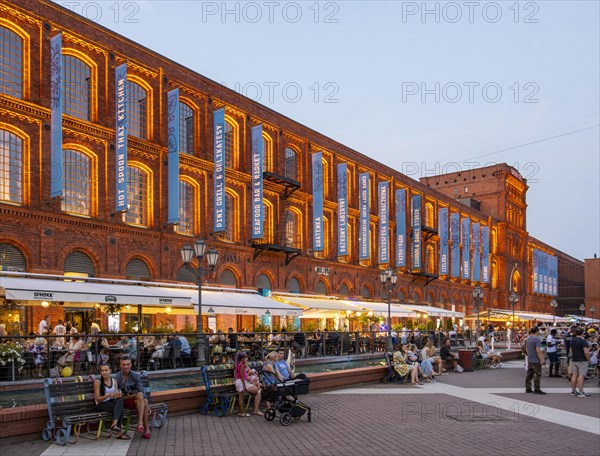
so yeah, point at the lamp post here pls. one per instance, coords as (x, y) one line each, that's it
(212, 256)
(592, 310)
(477, 297)
(554, 305)
(389, 278)
(582, 309)
(513, 299)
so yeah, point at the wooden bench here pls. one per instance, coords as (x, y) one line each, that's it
(71, 406)
(221, 395)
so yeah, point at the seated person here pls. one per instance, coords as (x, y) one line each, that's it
(427, 364)
(447, 355)
(403, 368)
(243, 385)
(484, 354)
(74, 347)
(282, 369)
(110, 399)
(433, 358)
(40, 350)
(128, 345)
(130, 384)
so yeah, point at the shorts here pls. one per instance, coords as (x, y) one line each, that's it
(579, 368)
(239, 385)
(129, 404)
(484, 355)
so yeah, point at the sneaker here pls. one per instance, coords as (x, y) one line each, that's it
(502, 365)
(493, 367)
(574, 393)
(538, 392)
(582, 394)
(529, 390)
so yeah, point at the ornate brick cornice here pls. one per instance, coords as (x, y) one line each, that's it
(293, 137)
(137, 67)
(83, 44)
(187, 90)
(229, 109)
(24, 107)
(20, 15)
(85, 137)
(20, 116)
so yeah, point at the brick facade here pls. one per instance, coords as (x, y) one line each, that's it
(46, 236)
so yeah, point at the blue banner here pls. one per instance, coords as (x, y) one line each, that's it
(443, 226)
(173, 159)
(342, 215)
(56, 106)
(257, 182)
(219, 178)
(383, 199)
(466, 248)
(536, 270)
(545, 271)
(364, 236)
(476, 254)
(554, 275)
(121, 131)
(415, 218)
(400, 228)
(317, 185)
(455, 248)
(485, 254)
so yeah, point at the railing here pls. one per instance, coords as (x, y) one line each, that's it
(163, 351)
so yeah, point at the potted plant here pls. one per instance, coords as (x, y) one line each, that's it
(11, 361)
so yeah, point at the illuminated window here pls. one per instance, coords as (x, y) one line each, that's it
(186, 129)
(267, 153)
(326, 181)
(186, 208)
(137, 189)
(494, 275)
(494, 241)
(268, 230)
(11, 63)
(137, 110)
(230, 144)
(429, 217)
(292, 230)
(76, 182)
(291, 164)
(11, 167)
(76, 87)
(430, 259)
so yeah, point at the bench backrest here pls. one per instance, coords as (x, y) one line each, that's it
(220, 378)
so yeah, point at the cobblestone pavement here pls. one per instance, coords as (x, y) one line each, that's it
(480, 413)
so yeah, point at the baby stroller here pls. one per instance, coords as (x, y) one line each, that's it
(284, 398)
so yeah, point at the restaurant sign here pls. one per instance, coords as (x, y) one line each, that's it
(321, 270)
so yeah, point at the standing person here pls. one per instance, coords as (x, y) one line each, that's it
(535, 358)
(110, 399)
(59, 330)
(579, 363)
(44, 326)
(130, 384)
(551, 343)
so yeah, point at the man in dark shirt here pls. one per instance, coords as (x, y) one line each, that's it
(130, 384)
(447, 355)
(535, 359)
(579, 363)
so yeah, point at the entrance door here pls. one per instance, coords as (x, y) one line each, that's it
(80, 318)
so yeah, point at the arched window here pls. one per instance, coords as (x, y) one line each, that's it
(326, 178)
(231, 211)
(415, 296)
(365, 292)
(291, 164)
(430, 259)
(344, 290)
(228, 278)
(187, 199)
(79, 263)
(429, 216)
(442, 299)
(231, 144)
(137, 269)
(137, 189)
(137, 110)
(267, 153)
(186, 129)
(401, 296)
(76, 87)
(292, 229)
(11, 63)
(494, 240)
(430, 299)
(185, 274)
(268, 229)
(77, 182)
(321, 288)
(11, 258)
(494, 275)
(263, 282)
(293, 285)
(11, 167)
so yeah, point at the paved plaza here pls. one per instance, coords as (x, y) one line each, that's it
(479, 413)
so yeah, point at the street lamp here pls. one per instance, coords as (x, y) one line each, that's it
(554, 305)
(592, 310)
(212, 256)
(389, 278)
(513, 299)
(582, 309)
(477, 297)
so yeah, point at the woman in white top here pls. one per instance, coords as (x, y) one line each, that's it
(109, 399)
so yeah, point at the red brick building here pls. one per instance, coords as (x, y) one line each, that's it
(81, 233)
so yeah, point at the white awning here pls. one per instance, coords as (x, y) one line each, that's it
(318, 303)
(380, 308)
(432, 311)
(31, 289)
